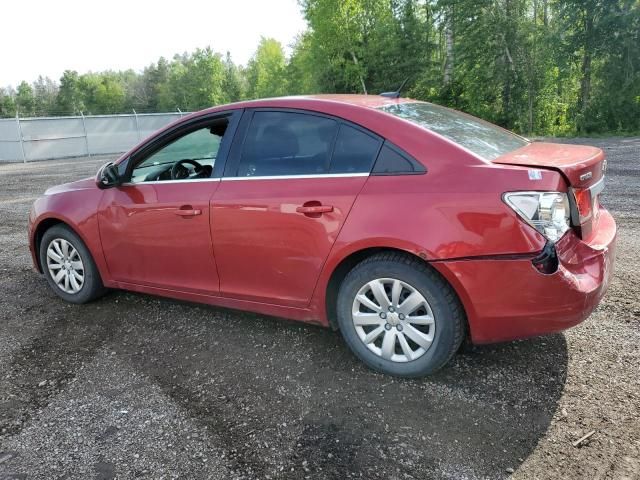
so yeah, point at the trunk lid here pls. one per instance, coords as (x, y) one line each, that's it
(581, 165)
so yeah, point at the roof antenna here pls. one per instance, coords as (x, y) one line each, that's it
(395, 94)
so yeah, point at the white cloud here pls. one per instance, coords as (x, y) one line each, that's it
(43, 37)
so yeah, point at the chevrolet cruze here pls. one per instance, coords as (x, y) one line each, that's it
(405, 225)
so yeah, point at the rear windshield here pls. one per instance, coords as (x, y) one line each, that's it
(480, 137)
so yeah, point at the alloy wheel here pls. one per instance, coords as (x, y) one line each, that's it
(393, 319)
(65, 266)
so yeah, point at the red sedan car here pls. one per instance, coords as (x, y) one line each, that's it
(405, 225)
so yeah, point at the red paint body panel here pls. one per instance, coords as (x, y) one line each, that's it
(145, 241)
(75, 204)
(266, 250)
(572, 160)
(250, 248)
(447, 213)
(509, 299)
(291, 313)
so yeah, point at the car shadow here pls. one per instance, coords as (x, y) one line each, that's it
(288, 397)
(288, 400)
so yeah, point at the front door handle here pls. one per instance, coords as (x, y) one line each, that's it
(311, 209)
(188, 211)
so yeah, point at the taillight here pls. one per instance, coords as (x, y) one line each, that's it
(585, 207)
(584, 204)
(547, 212)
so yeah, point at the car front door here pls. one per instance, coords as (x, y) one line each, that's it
(155, 227)
(289, 184)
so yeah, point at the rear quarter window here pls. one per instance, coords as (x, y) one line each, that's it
(393, 161)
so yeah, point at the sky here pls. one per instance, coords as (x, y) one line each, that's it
(44, 37)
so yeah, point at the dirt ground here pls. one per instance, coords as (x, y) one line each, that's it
(134, 386)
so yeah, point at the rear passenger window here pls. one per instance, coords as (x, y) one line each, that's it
(354, 152)
(285, 143)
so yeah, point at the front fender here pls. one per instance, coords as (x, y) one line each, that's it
(76, 208)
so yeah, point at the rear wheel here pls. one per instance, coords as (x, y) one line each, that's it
(68, 266)
(399, 316)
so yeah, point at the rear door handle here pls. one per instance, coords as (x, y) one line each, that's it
(311, 209)
(188, 211)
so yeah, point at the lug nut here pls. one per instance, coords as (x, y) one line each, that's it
(401, 316)
(387, 326)
(391, 309)
(399, 327)
(383, 315)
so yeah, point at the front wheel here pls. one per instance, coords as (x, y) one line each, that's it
(68, 266)
(399, 316)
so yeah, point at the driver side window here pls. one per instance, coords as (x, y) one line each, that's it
(189, 157)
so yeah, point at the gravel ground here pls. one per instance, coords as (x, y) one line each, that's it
(134, 386)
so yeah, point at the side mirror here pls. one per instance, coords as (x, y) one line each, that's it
(108, 176)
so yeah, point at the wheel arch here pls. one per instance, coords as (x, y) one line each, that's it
(45, 224)
(346, 264)
(38, 232)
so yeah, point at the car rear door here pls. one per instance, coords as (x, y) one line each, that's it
(289, 184)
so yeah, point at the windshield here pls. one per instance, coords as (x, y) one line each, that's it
(480, 137)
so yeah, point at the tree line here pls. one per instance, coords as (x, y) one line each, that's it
(552, 67)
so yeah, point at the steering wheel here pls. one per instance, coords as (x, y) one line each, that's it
(179, 172)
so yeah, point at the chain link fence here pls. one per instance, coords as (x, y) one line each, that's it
(30, 139)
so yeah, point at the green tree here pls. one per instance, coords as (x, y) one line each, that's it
(401, 46)
(301, 71)
(102, 93)
(602, 36)
(232, 85)
(69, 100)
(25, 100)
(194, 81)
(341, 29)
(536, 66)
(45, 92)
(152, 82)
(7, 103)
(266, 70)
(615, 96)
(367, 45)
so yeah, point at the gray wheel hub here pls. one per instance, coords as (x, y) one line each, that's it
(393, 320)
(65, 266)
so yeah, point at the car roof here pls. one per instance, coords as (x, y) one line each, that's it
(309, 101)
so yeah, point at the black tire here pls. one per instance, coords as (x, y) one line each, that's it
(445, 305)
(92, 287)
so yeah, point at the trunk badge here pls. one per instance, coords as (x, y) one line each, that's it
(586, 176)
